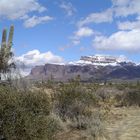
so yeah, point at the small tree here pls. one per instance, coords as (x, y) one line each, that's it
(5, 52)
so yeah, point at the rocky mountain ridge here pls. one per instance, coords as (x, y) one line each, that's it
(87, 71)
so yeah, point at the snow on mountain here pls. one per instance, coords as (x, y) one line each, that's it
(82, 62)
(99, 60)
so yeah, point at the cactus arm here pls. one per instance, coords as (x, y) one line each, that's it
(4, 37)
(10, 38)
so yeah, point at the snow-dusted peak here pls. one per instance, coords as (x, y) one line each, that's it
(82, 62)
(99, 60)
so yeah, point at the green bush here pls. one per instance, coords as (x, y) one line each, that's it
(132, 97)
(72, 100)
(26, 115)
(129, 97)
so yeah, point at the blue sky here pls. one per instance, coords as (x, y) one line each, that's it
(63, 30)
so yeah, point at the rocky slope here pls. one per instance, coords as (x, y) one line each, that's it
(87, 72)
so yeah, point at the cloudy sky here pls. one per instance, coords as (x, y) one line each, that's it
(62, 30)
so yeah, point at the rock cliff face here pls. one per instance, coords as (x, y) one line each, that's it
(87, 72)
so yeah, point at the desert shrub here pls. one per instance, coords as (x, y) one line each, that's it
(26, 115)
(119, 100)
(45, 84)
(72, 100)
(93, 126)
(54, 126)
(121, 86)
(96, 127)
(78, 106)
(131, 97)
(93, 86)
(106, 97)
(104, 94)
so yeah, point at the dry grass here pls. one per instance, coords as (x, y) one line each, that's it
(124, 124)
(81, 112)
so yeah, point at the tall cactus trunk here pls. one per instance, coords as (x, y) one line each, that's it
(5, 50)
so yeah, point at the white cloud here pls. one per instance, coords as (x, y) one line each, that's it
(35, 57)
(75, 42)
(33, 21)
(84, 32)
(121, 2)
(68, 8)
(125, 8)
(128, 25)
(120, 8)
(105, 16)
(22, 10)
(17, 9)
(121, 40)
(128, 38)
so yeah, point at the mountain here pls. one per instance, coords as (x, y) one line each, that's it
(88, 70)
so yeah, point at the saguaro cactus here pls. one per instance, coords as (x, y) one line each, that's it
(5, 50)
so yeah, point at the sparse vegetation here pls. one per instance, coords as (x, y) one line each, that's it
(74, 106)
(55, 111)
